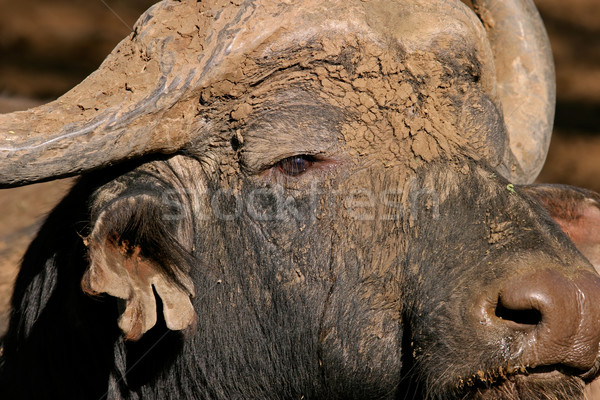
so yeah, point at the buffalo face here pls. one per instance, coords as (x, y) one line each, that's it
(317, 210)
(370, 292)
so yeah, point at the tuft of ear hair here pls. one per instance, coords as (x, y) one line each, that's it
(135, 256)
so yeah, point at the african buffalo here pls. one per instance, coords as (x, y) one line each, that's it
(302, 199)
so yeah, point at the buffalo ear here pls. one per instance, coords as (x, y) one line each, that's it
(577, 212)
(133, 254)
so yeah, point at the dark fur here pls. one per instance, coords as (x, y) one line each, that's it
(283, 312)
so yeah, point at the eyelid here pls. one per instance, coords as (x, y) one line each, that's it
(320, 162)
(296, 165)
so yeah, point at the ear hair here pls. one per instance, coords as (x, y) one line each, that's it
(576, 211)
(133, 251)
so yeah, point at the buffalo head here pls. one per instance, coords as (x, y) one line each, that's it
(302, 199)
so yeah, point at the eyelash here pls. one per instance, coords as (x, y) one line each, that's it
(296, 165)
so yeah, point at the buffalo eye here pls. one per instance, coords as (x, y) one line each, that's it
(295, 165)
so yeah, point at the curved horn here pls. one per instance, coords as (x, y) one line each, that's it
(116, 113)
(144, 98)
(526, 83)
(66, 137)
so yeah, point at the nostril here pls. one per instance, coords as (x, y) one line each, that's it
(525, 319)
(557, 316)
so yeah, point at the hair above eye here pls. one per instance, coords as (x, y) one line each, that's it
(296, 165)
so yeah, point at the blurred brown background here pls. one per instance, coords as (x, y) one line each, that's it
(47, 47)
